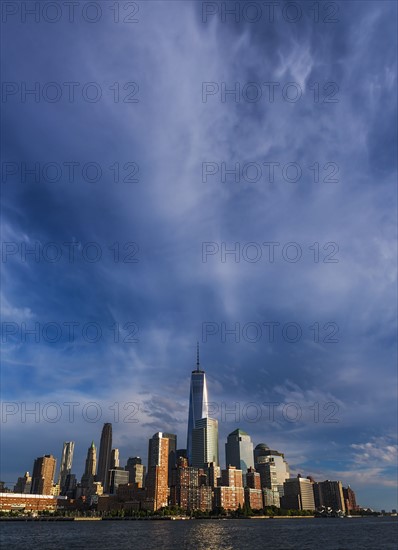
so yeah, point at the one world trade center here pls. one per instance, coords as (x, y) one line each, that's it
(198, 408)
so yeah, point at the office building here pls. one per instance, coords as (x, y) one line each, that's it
(198, 403)
(66, 463)
(55, 490)
(253, 479)
(117, 476)
(205, 443)
(349, 500)
(88, 477)
(263, 454)
(329, 494)
(69, 489)
(90, 468)
(181, 453)
(239, 451)
(104, 457)
(298, 494)
(137, 471)
(115, 458)
(172, 452)
(43, 475)
(158, 468)
(91, 461)
(24, 484)
(271, 497)
(213, 472)
(260, 450)
(268, 474)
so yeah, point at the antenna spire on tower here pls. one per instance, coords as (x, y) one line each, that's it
(197, 356)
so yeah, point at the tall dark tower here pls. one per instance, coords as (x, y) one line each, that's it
(197, 402)
(91, 467)
(104, 458)
(91, 461)
(172, 453)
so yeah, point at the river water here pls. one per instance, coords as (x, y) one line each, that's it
(279, 534)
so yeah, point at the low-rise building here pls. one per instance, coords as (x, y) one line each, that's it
(26, 503)
(23, 484)
(229, 498)
(271, 497)
(349, 500)
(254, 498)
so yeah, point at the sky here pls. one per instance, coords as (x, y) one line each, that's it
(183, 174)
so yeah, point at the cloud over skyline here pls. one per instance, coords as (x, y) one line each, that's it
(178, 143)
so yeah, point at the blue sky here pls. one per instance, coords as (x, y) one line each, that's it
(171, 296)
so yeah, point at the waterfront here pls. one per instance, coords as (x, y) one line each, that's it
(276, 534)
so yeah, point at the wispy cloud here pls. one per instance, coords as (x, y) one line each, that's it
(171, 211)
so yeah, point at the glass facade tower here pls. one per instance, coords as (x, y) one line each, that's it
(104, 458)
(198, 403)
(205, 443)
(239, 451)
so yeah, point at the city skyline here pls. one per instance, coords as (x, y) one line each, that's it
(186, 236)
(199, 287)
(317, 494)
(240, 453)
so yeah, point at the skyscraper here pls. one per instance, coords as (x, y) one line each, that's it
(43, 475)
(198, 402)
(263, 454)
(136, 471)
(70, 486)
(90, 468)
(117, 476)
(158, 465)
(66, 463)
(205, 443)
(91, 461)
(172, 452)
(239, 451)
(213, 472)
(261, 450)
(104, 458)
(115, 458)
